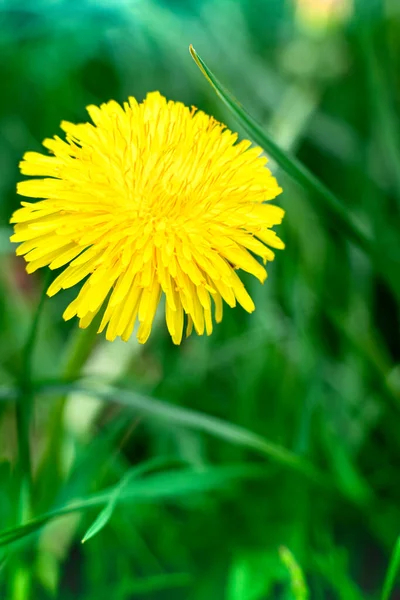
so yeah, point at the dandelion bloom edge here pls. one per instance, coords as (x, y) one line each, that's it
(149, 199)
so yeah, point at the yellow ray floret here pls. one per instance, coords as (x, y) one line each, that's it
(151, 199)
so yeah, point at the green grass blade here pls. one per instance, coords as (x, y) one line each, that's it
(298, 583)
(24, 411)
(290, 164)
(108, 510)
(391, 572)
(185, 417)
(101, 520)
(27, 359)
(157, 487)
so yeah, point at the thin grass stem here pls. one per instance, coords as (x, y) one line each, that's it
(391, 572)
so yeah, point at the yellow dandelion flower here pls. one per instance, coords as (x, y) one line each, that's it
(152, 198)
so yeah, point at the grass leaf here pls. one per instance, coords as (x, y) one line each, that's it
(290, 164)
(108, 510)
(391, 572)
(188, 418)
(298, 584)
(157, 487)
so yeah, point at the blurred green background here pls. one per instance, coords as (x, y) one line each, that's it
(261, 462)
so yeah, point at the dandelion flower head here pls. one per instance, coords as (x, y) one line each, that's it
(150, 199)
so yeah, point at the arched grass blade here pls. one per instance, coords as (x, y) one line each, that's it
(153, 488)
(190, 419)
(290, 164)
(108, 510)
